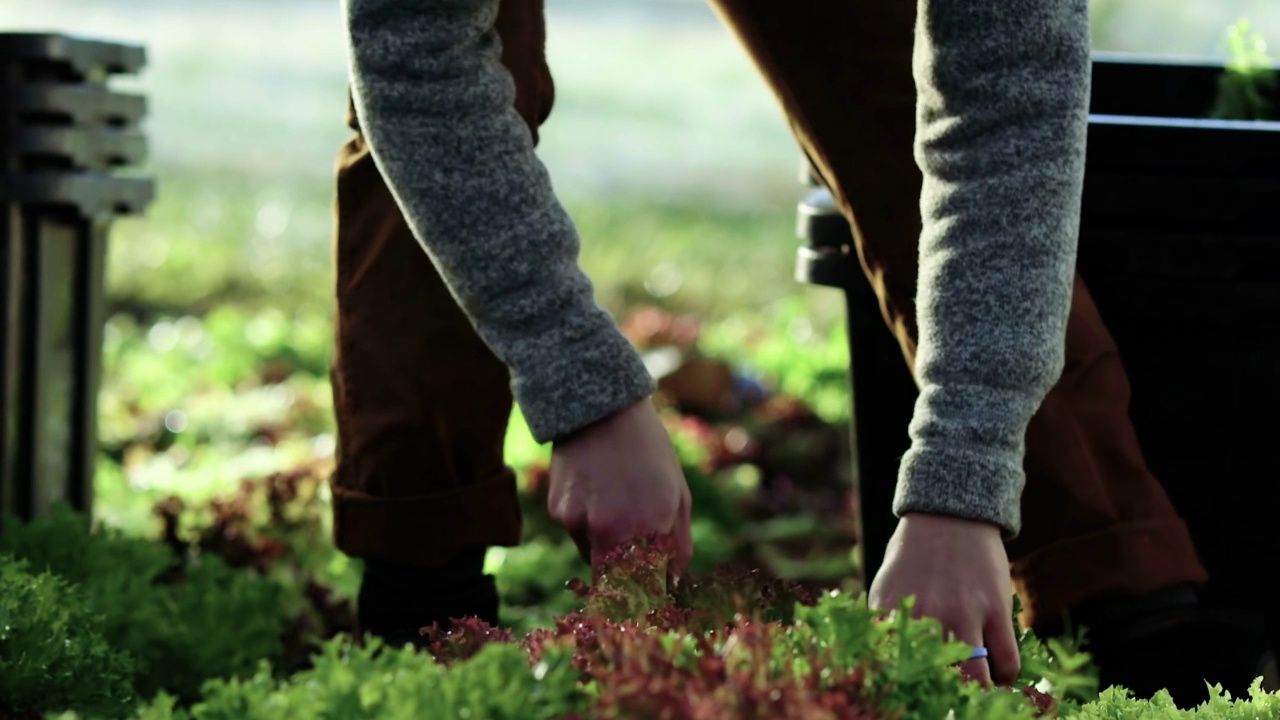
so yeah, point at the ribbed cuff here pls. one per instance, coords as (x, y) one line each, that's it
(598, 377)
(962, 483)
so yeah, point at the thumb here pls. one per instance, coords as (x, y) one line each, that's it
(602, 541)
(683, 539)
(1002, 646)
(582, 541)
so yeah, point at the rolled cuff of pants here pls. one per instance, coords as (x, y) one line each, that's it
(1132, 558)
(427, 530)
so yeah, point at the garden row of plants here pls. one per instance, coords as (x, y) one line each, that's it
(234, 603)
(197, 595)
(216, 622)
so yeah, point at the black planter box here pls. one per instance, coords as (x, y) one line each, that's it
(65, 137)
(1180, 246)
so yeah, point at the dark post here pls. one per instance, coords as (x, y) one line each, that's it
(1180, 247)
(883, 387)
(64, 138)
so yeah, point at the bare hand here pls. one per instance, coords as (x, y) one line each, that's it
(958, 571)
(619, 480)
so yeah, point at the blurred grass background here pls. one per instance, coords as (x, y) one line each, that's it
(664, 144)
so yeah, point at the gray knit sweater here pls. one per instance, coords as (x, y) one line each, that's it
(1003, 91)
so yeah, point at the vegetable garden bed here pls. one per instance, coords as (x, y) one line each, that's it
(130, 627)
(244, 590)
(238, 606)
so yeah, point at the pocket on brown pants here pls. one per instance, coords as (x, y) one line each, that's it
(421, 402)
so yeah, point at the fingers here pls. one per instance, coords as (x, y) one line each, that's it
(602, 509)
(957, 624)
(977, 668)
(604, 536)
(595, 541)
(600, 542)
(1002, 646)
(683, 536)
(571, 516)
(562, 504)
(1003, 663)
(583, 541)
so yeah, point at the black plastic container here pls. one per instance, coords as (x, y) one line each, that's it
(65, 140)
(1180, 247)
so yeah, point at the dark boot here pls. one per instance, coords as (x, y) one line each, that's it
(1169, 640)
(397, 601)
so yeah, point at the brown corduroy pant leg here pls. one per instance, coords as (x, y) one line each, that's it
(1095, 521)
(422, 403)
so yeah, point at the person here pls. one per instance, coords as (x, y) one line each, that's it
(952, 133)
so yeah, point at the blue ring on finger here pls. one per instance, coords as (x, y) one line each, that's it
(978, 653)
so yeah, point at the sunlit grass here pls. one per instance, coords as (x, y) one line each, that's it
(213, 238)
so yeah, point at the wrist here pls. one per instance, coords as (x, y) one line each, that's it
(962, 482)
(932, 519)
(606, 421)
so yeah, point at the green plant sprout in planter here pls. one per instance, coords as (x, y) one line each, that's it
(54, 651)
(1249, 76)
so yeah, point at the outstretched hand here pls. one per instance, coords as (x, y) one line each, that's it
(619, 480)
(958, 571)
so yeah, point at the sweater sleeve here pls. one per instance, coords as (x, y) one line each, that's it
(1002, 117)
(437, 109)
